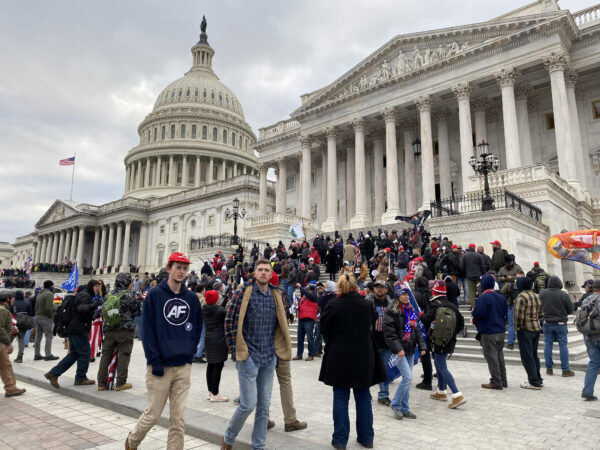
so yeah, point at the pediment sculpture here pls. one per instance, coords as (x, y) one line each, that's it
(59, 213)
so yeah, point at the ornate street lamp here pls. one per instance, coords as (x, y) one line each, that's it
(235, 215)
(489, 163)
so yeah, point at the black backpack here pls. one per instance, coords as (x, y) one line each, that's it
(62, 317)
(24, 321)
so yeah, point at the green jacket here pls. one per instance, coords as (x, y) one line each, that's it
(5, 325)
(512, 272)
(44, 305)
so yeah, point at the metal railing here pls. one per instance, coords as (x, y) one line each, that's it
(473, 202)
(223, 240)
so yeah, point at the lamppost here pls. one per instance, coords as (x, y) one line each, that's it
(489, 163)
(235, 215)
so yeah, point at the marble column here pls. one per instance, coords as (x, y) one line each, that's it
(138, 177)
(349, 178)
(42, 251)
(171, 172)
(61, 247)
(281, 186)
(480, 106)
(444, 165)
(582, 157)
(68, 239)
(427, 170)
(323, 205)
(506, 81)
(118, 244)
(147, 173)
(211, 171)
(391, 157)
(521, 93)
(34, 256)
(54, 256)
(80, 246)
(235, 169)
(157, 176)
(332, 222)
(358, 179)
(127, 177)
(462, 91)
(95, 248)
(142, 246)
(305, 143)
(185, 172)
(224, 170)
(102, 261)
(110, 261)
(262, 190)
(126, 245)
(73, 252)
(197, 172)
(377, 182)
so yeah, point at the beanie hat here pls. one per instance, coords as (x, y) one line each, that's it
(399, 289)
(438, 288)
(211, 297)
(487, 282)
(48, 284)
(274, 279)
(330, 286)
(19, 295)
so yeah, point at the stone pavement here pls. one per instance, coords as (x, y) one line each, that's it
(514, 417)
(47, 419)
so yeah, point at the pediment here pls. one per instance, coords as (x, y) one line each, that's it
(406, 56)
(58, 211)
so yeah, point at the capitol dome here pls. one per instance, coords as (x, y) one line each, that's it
(195, 135)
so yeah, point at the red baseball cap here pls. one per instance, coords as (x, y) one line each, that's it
(388, 250)
(536, 264)
(178, 257)
(472, 246)
(455, 246)
(496, 243)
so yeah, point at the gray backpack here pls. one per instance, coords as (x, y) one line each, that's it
(587, 318)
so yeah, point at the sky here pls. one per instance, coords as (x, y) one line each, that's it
(77, 77)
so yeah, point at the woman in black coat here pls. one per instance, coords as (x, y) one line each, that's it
(351, 360)
(215, 344)
(331, 262)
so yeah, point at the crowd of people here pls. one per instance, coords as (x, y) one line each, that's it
(393, 300)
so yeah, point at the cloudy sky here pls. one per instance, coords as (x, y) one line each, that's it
(79, 76)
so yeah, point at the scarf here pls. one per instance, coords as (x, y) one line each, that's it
(410, 321)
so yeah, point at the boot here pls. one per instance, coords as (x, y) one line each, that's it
(19, 358)
(457, 400)
(14, 392)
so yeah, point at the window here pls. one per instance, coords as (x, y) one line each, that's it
(313, 179)
(224, 136)
(192, 173)
(179, 173)
(193, 223)
(220, 98)
(196, 93)
(187, 94)
(182, 134)
(436, 147)
(193, 131)
(549, 121)
(180, 91)
(232, 138)
(211, 220)
(193, 244)
(227, 99)
(215, 134)
(204, 93)
(240, 141)
(174, 227)
(162, 229)
(596, 109)
(172, 131)
(290, 183)
(173, 248)
(161, 255)
(204, 132)
(212, 95)
(203, 173)
(155, 133)
(163, 133)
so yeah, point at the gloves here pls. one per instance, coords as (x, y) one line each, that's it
(158, 371)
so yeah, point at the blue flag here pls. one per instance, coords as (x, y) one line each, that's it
(73, 280)
(417, 310)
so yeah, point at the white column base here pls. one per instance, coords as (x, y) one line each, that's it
(389, 217)
(330, 225)
(359, 221)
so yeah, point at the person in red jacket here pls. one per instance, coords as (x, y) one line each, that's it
(314, 254)
(307, 317)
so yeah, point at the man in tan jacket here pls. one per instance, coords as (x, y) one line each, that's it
(6, 327)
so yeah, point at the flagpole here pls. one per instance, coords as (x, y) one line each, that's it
(72, 177)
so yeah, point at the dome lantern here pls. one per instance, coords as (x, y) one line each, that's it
(202, 51)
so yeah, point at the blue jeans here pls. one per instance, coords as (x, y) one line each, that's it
(462, 285)
(384, 388)
(592, 368)
(200, 348)
(290, 291)
(256, 384)
(79, 352)
(400, 400)
(401, 273)
(318, 344)
(306, 327)
(137, 322)
(444, 376)
(341, 420)
(556, 332)
(512, 335)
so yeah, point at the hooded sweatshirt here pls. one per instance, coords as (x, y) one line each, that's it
(171, 326)
(490, 308)
(556, 304)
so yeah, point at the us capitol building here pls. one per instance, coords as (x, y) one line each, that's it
(403, 124)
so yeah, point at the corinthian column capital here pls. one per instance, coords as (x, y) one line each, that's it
(330, 133)
(305, 141)
(358, 124)
(423, 103)
(555, 61)
(389, 114)
(462, 90)
(505, 77)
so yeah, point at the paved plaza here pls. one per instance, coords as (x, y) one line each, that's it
(513, 418)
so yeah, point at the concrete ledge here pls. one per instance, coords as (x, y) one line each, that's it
(207, 427)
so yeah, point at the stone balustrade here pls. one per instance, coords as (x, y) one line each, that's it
(279, 128)
(586, 16)
(277, 219)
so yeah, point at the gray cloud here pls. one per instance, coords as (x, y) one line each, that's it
(80, 76)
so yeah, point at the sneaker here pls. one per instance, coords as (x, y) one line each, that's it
(219, 398)
(202, 361)
(457, 401)
(14, 392)
(52, 379)
(123, 387)
(270, 424)
(51, 358)
(310, 358)
(384, 401)
(296, 425)
(38, 358)
(510, 346)
(589, 398)
(526, 385)
(568, 373)
(84, 382)
(491, 386)
(442, 396)
(410, 415)
(297, 358)
(549, 372)
(398, 414)
(424, 386)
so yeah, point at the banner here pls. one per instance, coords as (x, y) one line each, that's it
(73, 280)
(581, 245)
(297, 231)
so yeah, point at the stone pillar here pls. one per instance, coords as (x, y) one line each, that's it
(506, 81)
(262, 190)
(332, 222)
(118, 244)
(73, 252)
(95, 248)
(427, 170)
(171, 172)
(462, 91)
(197, 172)
(444, 153)
(479, 107)
(34, 256)
(127, 177)
(306, 154)
(378, 174)
(391, 156)
(54, 257)
(147, 173)
(68, 238)
(235, 168)
(80, 245)
(142, 246)
(61, 247)
(211, 170)
(102, 261)
(158, 173)
(42, 250)
(356, 177)
(521, 93)
(348, 153)
(110, 261)
(138, 176)
(556, 63)
(224, 170)
(582, 158)
(281, 186)
(185, 172)
(323, 205)
(126, 245)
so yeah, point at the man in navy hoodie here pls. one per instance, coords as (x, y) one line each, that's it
(171, 328)
(489, 316)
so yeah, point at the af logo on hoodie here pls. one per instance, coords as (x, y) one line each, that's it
(177, 311)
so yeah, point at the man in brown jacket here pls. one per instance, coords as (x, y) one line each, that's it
(349, 252)
(44, 314)
(6, 348)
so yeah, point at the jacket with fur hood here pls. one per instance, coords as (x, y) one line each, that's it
(556, 304)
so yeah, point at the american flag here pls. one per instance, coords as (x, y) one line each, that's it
(67, 161)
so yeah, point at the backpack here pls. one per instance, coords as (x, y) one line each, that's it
(111, 309)
(513, 293)
(541, 282)
(24, 322)
(442, 330)
(62, 317)
(587, 318)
